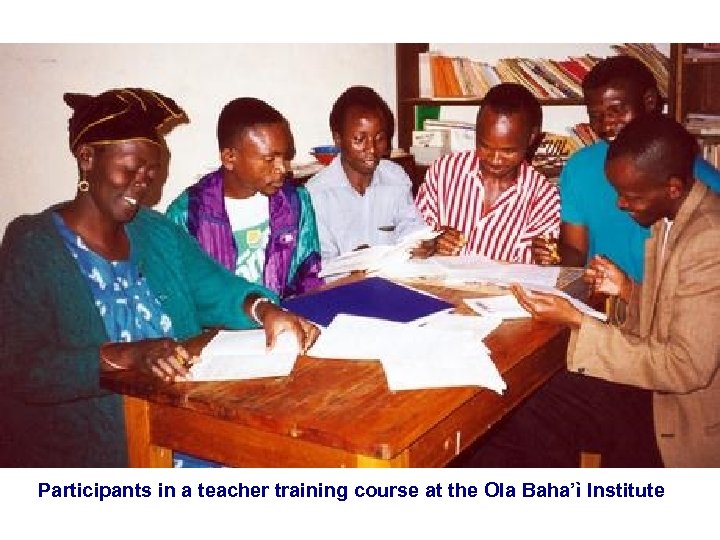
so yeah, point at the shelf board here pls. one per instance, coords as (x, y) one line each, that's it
(701, 60)
(478, 101)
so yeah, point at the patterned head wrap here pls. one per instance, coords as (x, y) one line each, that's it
(121, 114)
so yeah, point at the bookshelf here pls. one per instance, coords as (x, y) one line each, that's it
(694, 83)
(408, 92)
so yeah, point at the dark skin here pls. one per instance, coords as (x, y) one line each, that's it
(257, 161)
(647, 200)
(120, 176)
(502, 140)
(609, 109)
(363, 141)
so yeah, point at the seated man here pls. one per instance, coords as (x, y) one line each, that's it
(247, 215)
(617, 90)
(643, 390)
(491, 202)
(361, 199)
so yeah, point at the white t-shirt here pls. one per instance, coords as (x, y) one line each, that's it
(250, 223)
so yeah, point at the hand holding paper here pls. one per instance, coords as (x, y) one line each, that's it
(548, 307)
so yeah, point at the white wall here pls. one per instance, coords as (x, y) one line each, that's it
(555, 118)
(301, 81)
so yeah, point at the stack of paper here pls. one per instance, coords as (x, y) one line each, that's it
(412, 356)
(374, 258)
(242, 355)
(475, 268)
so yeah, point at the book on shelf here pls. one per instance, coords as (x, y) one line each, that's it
(425, 75)
(443, 76)
(703, 124)
(461, 134)
(711, 153)
(648, 54)
(705, 51)
(584, 132)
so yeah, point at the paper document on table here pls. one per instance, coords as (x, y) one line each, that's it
(504, 306)
(353, 337)
(374, 258)
(412, 268)
(579, 304)
(443, 320)
(507, 306)
(241, 354)
(476, 268)
(412, 356)
(405, 373)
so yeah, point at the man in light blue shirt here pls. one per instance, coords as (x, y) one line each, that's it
(617, 90)
(361, 199)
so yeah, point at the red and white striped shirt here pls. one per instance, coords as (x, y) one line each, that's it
(452, 195)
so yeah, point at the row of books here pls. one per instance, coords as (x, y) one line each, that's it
(440, 137)
(444, 76)
(703, 51)
(648, 54)
(711, 152)
(703, 124)
(584, 134)
(449, 77)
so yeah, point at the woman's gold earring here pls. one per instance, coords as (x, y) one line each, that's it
(83, 185)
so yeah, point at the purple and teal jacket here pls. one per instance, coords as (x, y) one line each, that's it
(292, 257)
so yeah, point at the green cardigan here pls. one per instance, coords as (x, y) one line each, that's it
(52, 409)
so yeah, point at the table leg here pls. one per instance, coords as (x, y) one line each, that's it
(141, 451)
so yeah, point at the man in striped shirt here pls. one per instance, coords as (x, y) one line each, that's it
(491, 202)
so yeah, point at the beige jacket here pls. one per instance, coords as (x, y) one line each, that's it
(667, 338)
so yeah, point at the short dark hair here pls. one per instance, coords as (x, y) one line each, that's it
(510, 98)
(365, 98)
(243, 113)
(658, 145)
(625, 70)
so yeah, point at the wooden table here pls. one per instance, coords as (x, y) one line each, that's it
(330, 413)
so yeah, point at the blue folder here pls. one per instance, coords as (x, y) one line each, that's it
(371, 297)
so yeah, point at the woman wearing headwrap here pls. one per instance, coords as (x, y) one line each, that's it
(100, 283)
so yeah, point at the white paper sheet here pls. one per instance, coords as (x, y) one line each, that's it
(579, 304)
(507, 307)
(375, 258)
(479, 269)
(412, 356)
(241, 354)
(504, 306)
(410, 373)
(444, 320)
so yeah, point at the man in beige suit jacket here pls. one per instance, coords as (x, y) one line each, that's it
(664, 335)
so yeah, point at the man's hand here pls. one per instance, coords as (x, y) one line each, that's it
(450, 242)
(604, 276)
(424, 249)
(545, 250)
(547, 307)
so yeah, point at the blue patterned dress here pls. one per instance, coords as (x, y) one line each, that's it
(129, 309)
(127, 306)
